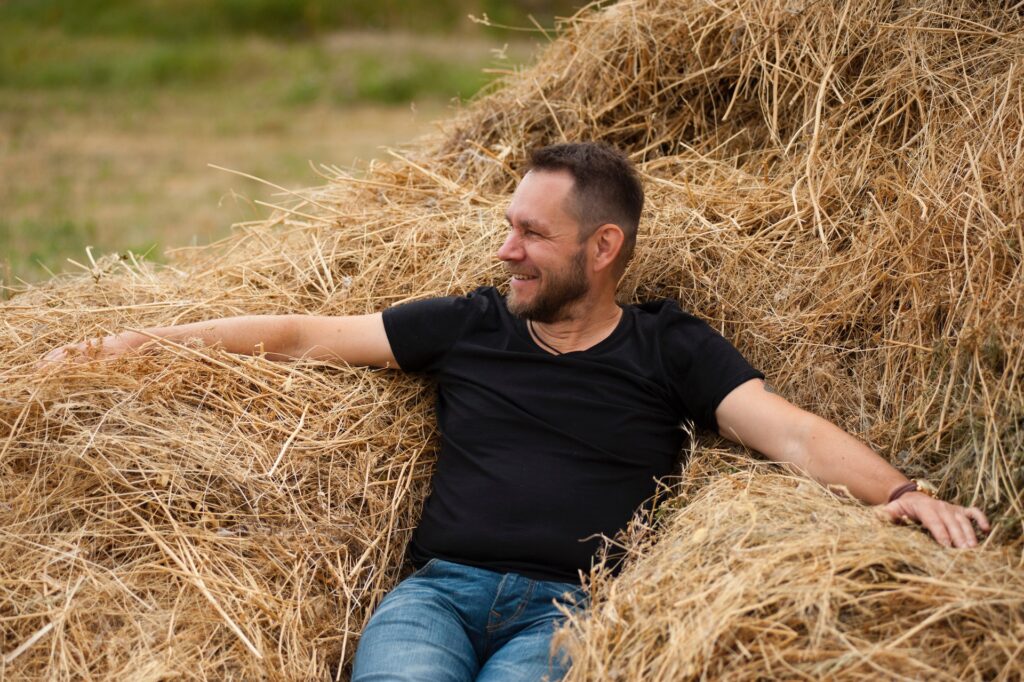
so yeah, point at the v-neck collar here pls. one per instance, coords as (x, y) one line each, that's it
(621, 328)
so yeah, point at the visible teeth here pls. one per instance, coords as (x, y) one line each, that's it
(521, 277)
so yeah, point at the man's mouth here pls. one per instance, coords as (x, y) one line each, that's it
(523, 278)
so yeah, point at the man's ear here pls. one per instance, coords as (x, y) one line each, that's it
(605, 244)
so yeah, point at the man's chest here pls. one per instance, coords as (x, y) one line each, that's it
(500, 401)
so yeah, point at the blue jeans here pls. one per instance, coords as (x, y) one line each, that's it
(453, 622)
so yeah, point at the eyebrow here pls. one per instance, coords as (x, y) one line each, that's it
(528, 223)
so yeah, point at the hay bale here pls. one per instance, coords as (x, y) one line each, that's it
(763, 575)
(180, 513)
(835, 186)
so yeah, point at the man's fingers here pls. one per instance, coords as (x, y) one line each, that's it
(966, 528)
(959, 527)
(104, 348)
(932, 522)
(75, 352)
(936, 526)
(949, 521)
(950, 524)
(957, 521)
(979, 518)
(54, 356)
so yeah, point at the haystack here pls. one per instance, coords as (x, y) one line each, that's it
(756, 575)
(835, 186)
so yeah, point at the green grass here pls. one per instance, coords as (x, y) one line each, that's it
(64, 238)
(109, 45)
(382, 80)
(288, 19)
(292, 73)
(111, 109)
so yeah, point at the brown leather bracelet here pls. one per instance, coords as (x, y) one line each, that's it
(905, 488)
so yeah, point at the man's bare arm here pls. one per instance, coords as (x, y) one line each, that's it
(355, 339)
(756, 418)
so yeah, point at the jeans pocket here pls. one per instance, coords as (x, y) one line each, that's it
(570, 595)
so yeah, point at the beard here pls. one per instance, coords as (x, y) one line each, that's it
(552, 299)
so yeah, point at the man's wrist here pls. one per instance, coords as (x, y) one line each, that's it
(916, 486)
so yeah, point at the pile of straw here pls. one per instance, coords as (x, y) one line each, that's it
(836, 186)
(766, 576)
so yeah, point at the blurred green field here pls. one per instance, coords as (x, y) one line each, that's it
(110, 111)
(184, 19)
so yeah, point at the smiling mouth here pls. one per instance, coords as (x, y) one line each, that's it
(523, 278)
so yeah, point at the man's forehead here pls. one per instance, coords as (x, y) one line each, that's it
(537, 191)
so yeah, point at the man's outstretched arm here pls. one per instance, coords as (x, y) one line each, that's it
(756, 418)
(354, 339)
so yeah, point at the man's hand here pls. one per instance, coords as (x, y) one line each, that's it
(105, 348)
(949, 524)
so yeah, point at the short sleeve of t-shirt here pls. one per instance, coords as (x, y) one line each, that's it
(702, 367)
(422, 332)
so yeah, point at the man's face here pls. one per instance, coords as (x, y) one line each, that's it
(542, 251)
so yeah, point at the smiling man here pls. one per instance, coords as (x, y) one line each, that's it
(559, 410)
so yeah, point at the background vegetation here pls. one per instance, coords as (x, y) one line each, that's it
(111, 111)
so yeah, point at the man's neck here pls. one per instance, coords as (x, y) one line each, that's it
(586, 324)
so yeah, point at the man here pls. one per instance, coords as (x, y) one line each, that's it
(558, 409)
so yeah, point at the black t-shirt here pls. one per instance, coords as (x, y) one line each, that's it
(542, 453)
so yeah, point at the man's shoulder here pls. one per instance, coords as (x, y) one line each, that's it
(664, 309)
(483, 302)
(656, 306)
(484, 305)
(669, 322)
(423, 331)
(481, 297)
(488, 292)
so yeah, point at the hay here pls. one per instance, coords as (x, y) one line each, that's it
(200, 518)
(766, 576)
(835, 186)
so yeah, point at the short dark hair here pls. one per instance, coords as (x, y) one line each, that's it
(606, 187)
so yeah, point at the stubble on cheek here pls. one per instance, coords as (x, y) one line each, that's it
(551, 297)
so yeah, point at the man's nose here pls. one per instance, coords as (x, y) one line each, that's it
(512, 248)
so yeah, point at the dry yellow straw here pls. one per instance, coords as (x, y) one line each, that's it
(835, 186)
